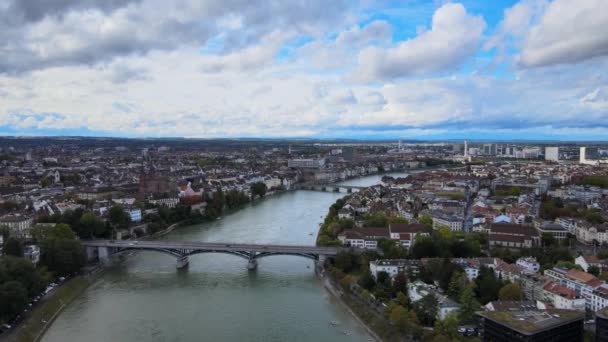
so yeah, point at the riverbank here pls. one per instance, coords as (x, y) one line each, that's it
(337, 294)
(42, 317)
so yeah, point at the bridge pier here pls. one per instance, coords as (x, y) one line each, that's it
(103, 253)
(252, 264)
(182, 262)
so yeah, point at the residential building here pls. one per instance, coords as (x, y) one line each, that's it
(529, 264)
(585, 261)
(532, 325)
(581, 282)
(417, 290)
(363, 237)
(19, 225)
(393, 266)
(32, 253)
(510, 305)
(450, 221)
(562, 297)
(306, 163)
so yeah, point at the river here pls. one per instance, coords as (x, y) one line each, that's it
(144, 298)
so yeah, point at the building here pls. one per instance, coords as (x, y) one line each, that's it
(581, 282)
(19, 225)
(534, 325)
(586, 261)
(510, 305)
(363, 237)
(529, 264)
(366, 237)
(306, 163)
(393, 266)
(417, 290)
(32, 253)
(134, 213)
(551, 228)
(552, 154)
(561, 297)
(452, 222)
(513, 235)
(601, 325)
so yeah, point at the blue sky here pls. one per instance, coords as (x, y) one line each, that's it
(530, 69)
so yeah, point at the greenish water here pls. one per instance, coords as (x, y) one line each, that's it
(144, 298)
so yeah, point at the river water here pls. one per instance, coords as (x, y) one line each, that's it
(144, 298)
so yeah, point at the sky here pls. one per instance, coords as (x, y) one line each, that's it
(367, 69)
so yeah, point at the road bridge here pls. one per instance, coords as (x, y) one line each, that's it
(103, 249)
(330, 187)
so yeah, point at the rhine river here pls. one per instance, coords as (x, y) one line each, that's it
(144, 298)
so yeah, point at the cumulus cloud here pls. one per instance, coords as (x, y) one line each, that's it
(35, 35)
(454, 36)
(568, 32)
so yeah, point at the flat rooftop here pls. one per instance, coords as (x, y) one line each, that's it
(530, 322)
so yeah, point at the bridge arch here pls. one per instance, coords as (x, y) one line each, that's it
(304, 255)
(243, 255)
(169, 251)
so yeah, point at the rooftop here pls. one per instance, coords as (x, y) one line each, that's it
(533, 321)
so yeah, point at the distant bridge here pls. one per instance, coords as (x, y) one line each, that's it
(330, 187)
(103, 249)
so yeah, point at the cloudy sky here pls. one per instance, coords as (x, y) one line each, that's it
(530, 69)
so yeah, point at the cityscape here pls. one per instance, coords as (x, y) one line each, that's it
(304, 170)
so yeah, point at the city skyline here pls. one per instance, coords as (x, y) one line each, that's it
(421, 70)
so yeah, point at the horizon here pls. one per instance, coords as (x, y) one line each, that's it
(507, 70)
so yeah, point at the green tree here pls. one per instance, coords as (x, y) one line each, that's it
(510, 292)
(396, 219)
(487, 285)
(118, 216)
(258, 189)
(468, 306)
(13, 298)
(377, 219)
(447, 329)
(63, 256)
(367, 281)
(548, 240)
(427, 221)
(402, 299)
(426, 309)
(458, 283)
(13, 247)
(593, 269)
(344, 261)
(91, 226)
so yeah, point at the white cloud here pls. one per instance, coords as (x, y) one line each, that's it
(568, 32)
(454, 36)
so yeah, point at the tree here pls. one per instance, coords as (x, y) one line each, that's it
(397, 219)
(91, 225)
(344, 261)
(487, 285)
(258, 189)
(510, 292)
(426, 309)
(547, 240)
(400, 283)
(13, 298)
(118, 216)
(402, 299)
(63, 256)
(593, 269)
(458, 283)
(367, 281)
(427, 221)
(447, 328)
(468, 306)
(378, 219)
(13, 247)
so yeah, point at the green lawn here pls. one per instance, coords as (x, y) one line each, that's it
(32, 329)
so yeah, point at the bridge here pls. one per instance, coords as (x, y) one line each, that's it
(103, 249)
(330, 187)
